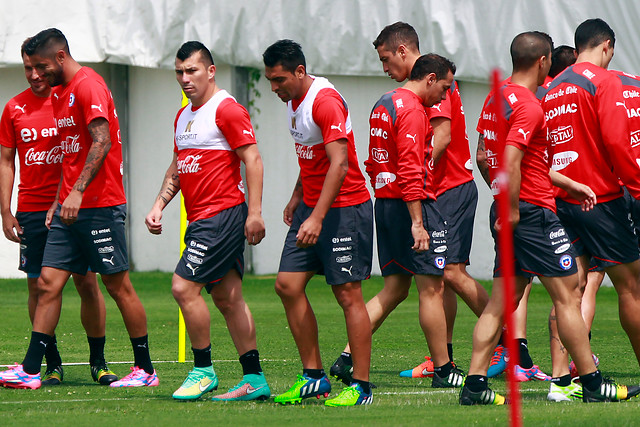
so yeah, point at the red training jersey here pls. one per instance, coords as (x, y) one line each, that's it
(397, 163)
(455, 166)
(209, 168)
(27, 125)
(589, 131)
(321, 117)
(527, 131)
(86, 98)
(631, 95)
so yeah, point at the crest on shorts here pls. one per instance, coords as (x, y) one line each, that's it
(566, 262)
(440, 262)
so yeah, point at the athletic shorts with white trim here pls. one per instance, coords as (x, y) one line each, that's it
(344, 249)
(540, 242)
(458, 208)
(32, 240)
(213, 246)
(393, 227)
(605, 233)
(96, 239)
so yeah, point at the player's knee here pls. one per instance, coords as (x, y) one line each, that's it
(284, 290)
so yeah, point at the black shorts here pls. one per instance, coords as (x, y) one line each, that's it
(97, 239)
(458, 208)
(213, 246)
(344, 249)
(393, 227)
(540, 243)
(633, 206)
(32, 241)
(605, 233)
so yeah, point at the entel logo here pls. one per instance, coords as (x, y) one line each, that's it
(380, 155)
(564, 159)
(561, 135)
(383, 179)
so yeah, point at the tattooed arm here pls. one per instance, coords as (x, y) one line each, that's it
(481, 160)
(100, 146)
(169, 189)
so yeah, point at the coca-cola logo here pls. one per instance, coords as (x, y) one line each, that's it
(304, 152)
(189, 164)
(33, 157)
(70, 145)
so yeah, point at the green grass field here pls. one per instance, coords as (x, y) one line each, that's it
(398, 345)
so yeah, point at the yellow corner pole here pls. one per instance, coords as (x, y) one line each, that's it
(182, 329)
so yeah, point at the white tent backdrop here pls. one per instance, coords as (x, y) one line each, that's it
(143, 36)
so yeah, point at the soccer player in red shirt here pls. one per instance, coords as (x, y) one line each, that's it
(213, 133)
(28, 129)
(329, 198)
(590, 142)
(540, 246)
(87, 227)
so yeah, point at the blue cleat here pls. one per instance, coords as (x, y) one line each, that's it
(498, 362)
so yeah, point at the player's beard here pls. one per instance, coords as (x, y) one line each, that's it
(55, 78)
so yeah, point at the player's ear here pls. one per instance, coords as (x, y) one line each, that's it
(60, 56)
(211, 70)
(300, 71)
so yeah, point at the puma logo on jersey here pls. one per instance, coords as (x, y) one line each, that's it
(21, 108)
(413, 137)
(56, 95)
(109, 260)
(337, 127)
(437, 107)
(348, 270)
(192, 268)
(247, 132)
(96, 107)
(621, 103)
(524, 134)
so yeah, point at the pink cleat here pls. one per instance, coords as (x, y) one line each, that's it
(137, 378)
(573, 371)
(16, 377)
(533, 373)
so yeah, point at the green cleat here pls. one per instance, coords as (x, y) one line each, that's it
(252, 387)
(351, 396)
(558, 393)
(609, 391)
(53, 376)
(101, 373)
(486, 397)
(305, 387)
(198, 382)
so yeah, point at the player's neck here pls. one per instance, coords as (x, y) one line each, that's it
(307, 81)
(210, 93)
(412, 57)
(594, 56)
(70, 69)
(528, 79)
(42, 94)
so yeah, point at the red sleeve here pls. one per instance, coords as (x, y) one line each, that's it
(442, 109)
(93, 99)
(7, 133)
(614, 125)
(330, 114)
(525, 120)
(410, 139)
(235, 124)
(175, 126)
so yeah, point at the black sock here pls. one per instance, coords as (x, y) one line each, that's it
(366, 385)
(250, 362)
(500, 339)
(589, 336)
(562, 381)
(202, 357)
(52, 354)
(316, 374)
(476, 383)
(444, 370)
(35, 352)
(450, 351)
(96, 350)
(141, 356)
(346, 358)
(591, 381)
(525, 358)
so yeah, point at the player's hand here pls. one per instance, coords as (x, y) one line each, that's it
(584, 194)
(71, 207)
(10, 227)
(287, 215)
(254, 229)
(153, 221)
(50, 212)
(309, 232)
(420, 238)
(514, 219)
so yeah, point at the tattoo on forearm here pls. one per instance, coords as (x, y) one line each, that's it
(170, 187)
(99, 131)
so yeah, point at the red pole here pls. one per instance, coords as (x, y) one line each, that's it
(505, 243)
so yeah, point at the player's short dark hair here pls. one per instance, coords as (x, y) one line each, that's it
(24, 43)
(561, 58)
(286, 53)
(432, 63)
(393, 35)
(591, 33)
(528, 47)
(189, 48)
(44, 41)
